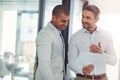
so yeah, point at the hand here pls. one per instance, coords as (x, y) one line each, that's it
(88, 69)
(96, 48)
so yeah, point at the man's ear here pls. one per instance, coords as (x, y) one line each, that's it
(53, 18)
(97, 18)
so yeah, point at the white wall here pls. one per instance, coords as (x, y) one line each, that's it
(107, 6)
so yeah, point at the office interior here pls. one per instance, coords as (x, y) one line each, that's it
(20, 20)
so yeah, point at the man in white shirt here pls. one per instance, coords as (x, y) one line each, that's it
(91, 48)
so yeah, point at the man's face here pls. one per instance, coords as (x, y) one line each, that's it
(88, 19)
(61, 21)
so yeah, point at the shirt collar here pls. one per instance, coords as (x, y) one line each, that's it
(54, 28)
(86, 31)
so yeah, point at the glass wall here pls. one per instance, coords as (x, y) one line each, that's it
(19, 22)
(75, 16)
(49, 5)
(25, 43)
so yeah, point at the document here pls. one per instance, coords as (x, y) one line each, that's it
(86, 58)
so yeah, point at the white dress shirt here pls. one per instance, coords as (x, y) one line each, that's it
(79, 53)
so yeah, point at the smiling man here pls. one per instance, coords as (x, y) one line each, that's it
(91, 48)
(50, 47)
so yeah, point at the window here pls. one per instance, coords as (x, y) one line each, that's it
(49, 5)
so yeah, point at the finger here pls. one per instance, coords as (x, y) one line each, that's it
(94, 48)
(87, 71)
(99, 44)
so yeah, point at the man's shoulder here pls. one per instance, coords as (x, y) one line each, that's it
(78, 33)
(104, 31)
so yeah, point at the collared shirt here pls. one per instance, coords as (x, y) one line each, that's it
(63, 47)
(61, 37)
(79, 53)
(53, 27)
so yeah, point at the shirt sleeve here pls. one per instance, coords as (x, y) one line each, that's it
(43, 46)
(73, 54)
(110, 54)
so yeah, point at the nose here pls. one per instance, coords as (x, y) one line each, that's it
(84, 19)
(66, 23)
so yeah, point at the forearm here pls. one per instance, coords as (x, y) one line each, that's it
(75, 67)
(110, 59)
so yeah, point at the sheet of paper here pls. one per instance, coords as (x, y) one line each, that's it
(85, 58)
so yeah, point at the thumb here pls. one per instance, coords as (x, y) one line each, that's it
(99, 44)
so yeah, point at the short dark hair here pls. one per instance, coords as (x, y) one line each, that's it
(92, 8)
(60, 9)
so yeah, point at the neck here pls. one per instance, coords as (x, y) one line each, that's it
(55, 25)
(91, 30)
